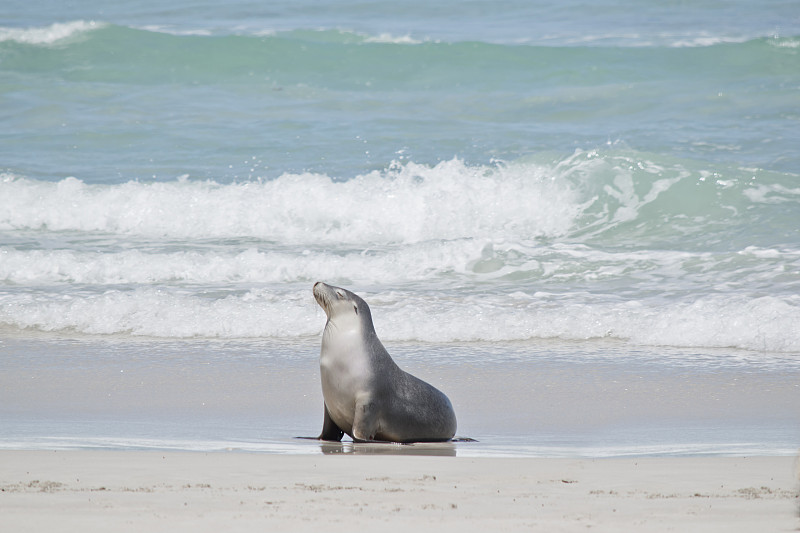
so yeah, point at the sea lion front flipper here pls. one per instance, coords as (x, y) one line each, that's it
(330, 431)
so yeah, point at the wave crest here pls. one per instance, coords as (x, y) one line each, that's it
(47, 35)
(613, 197)
(405, 203)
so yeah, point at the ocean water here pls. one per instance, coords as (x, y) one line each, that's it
(581, 220)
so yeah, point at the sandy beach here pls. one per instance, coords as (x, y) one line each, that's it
(167, 491)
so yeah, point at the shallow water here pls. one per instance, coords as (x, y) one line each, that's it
(548, 399)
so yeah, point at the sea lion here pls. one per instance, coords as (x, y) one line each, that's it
(367, 396)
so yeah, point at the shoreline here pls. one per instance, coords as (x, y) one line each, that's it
(241, 491)
(492, 448)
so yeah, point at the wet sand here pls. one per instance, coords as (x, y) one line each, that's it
(543, 399)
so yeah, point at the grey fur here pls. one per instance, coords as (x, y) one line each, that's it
(367, 396)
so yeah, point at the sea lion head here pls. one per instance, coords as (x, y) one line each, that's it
(344, 309)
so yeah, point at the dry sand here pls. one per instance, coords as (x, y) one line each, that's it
(164, 491)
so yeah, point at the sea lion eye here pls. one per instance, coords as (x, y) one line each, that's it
(340, 294)
(355, 308)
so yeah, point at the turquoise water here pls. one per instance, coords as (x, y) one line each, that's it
(111, 103)
(496, 179)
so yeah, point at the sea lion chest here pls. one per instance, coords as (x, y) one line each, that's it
(346, 372)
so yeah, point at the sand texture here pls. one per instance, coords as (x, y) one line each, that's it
(154, 491)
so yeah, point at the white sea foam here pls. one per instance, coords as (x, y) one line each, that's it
(48, 34)
(702, 41)
(522, 202)
(181, 32)
(409, 263)
(438, 262)
(785, 42)
(160, 313)
(635, 39)
(408, 204)
(449, 253)
(772, 194)
(762, 324)
(386, 38)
